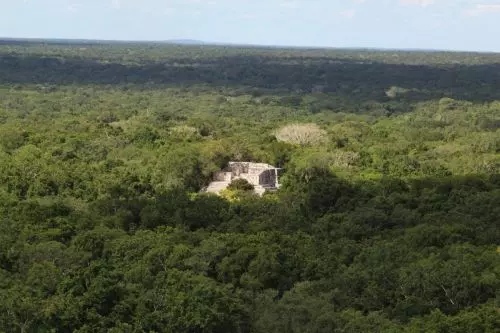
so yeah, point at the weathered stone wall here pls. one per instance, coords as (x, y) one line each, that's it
(268, 177)
(237, 168)
(223, 176)
(252, 179)
(261, 175)
(256, 170)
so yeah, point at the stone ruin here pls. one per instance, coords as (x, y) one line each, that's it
(263, 177)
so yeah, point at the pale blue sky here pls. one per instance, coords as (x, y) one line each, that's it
(427, 24)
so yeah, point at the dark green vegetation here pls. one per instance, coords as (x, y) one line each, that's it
(391, 224)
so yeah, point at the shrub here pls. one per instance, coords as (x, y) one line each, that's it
(241, 185)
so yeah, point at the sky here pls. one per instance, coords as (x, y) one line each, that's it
(402, 24)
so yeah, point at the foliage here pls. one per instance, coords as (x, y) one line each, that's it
(240, 184)
(301, 134)
(385, 221)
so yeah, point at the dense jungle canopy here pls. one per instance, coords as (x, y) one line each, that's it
(389, 222)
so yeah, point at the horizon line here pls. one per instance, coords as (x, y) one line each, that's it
(196, 42)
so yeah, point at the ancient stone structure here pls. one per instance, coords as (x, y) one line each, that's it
(263, 177)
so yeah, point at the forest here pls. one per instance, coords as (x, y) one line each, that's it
(387, 218)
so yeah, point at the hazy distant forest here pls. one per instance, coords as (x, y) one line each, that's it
(387, 220)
